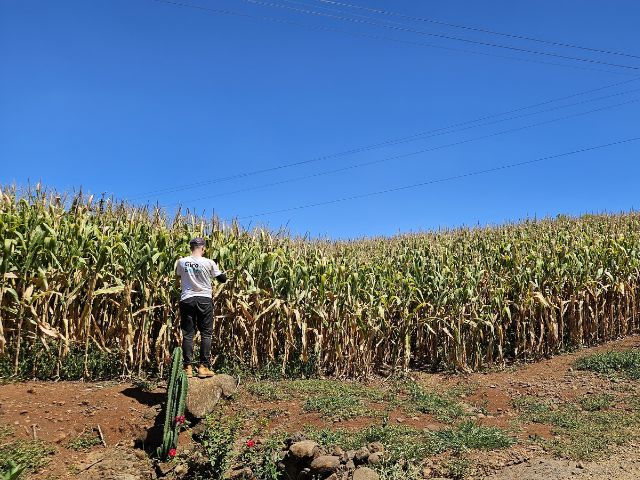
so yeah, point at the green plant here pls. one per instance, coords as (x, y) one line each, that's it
(30, 455)
(627, 362)
(471, 435)
(263, 458)
(218, 440)
(593, 403)
(443, 407)
(85, 441)
(457, 468)
(174, 409)
(337, 408)
(586, 433)
(12, 471)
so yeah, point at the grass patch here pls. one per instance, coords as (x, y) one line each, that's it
(585, 433)
(411, 445)
(30, 454)
(446, 408)
(337, 408)
(288, 389)
(85, 441)
(607, 363)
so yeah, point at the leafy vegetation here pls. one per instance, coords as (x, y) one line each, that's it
(85, 441)
(29, 455)
(218, 442)
(80, 271)
(585, 430)
(444, 407)
(626, 362)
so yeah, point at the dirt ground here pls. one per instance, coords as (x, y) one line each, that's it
(59, 412)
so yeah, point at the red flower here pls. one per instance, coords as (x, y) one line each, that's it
(251, 443)
(181, 418)
(172, 452)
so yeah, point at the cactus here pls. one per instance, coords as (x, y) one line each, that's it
(174, 408)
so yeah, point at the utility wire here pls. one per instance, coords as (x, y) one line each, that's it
(410, 154)
(476, 29)
(375, 37)
(439, 180)
(307, 11)
(386, 143)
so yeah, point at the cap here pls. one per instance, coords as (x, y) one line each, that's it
(197, 242)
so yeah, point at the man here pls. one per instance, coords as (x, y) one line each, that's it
(196, 304)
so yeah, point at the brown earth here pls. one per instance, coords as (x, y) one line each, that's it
(128, 418)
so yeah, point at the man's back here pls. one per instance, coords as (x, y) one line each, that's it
(195, 275)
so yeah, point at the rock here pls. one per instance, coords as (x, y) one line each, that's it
(337, 451)
(375, 458)
(304, 449)
(426, 472)
(350, 465)
(361, 456)
(365, 473)
(239, 473)
(181, 470)
(376, 447)
(325, 465)
(202, 397)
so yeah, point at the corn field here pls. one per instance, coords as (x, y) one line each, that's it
(76, 271)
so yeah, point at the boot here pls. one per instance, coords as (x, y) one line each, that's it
(204, 372)
(189, 371)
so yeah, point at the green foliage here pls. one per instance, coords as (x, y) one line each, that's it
(30, 455)
(337, 408)
(444, 407)
(36, 362)
(585, 433)
(218, 442)
(263, 458)
(457, 468)
(471, 435)
(593, 403)
(12, 471)
(627, 362)
(85, 441)
(177, 387)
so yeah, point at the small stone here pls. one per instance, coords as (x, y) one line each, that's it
(350, 465)
(365, 473)
(375, 458)
(400, 420)
(361, 455)
(376, 447)
(181, 469)
(426, 472)
(580, 465)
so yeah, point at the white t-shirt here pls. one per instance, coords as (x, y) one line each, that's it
(195, 275)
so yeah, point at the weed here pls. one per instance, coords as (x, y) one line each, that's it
(145, 384)
(30, 454)
(85, 441)
(585, 434)
(218, 440)
(593, 403)
(444, 407)
(337, 408)
(457, 468)
(627, 362)
(11, 472)
(470, 435)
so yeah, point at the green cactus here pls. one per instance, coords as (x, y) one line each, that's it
(176, 397)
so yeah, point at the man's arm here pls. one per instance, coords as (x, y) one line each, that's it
(219, 275)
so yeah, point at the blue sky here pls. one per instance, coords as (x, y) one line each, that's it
(129, 97)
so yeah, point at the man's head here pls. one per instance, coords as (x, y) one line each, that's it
(197, 245)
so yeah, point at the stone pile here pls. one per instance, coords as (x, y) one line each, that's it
(304, 459)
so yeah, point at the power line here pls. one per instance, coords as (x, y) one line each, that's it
(477, 29)
(307, 11)
(439, 180)
(390, 142)
(375, 37)
(410, 154)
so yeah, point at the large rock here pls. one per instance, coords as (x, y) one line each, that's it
(325, 465)
(361, 456)
(365, 473)
(205, 393)
(304, 449)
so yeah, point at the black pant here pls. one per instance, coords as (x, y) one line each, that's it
(196, 312)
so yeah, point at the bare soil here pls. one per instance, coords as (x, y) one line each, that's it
(128, 418)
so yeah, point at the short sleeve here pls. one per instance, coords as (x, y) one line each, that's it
(215, 271)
